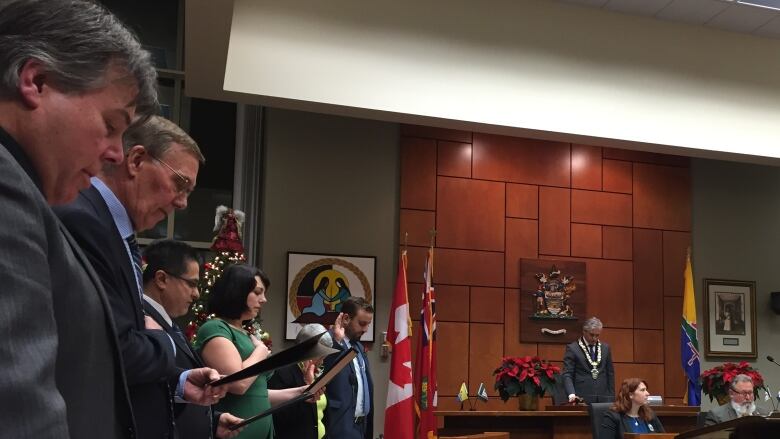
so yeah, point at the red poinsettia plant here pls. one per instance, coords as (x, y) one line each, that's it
(715, 382)
(525, 375)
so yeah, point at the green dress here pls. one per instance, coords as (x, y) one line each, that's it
(255, 400)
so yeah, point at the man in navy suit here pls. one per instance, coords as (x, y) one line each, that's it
(171, 280)
(156, 177)
(350, 408)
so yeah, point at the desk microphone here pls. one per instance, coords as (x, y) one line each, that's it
(769, 395)
(770, 358)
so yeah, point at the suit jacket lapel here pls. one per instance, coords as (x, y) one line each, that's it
(181, 345)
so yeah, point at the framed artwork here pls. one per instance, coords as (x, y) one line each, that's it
(317, 285)
(730, 318)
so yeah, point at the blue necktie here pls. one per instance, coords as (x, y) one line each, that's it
(135, 252)
(366, 396)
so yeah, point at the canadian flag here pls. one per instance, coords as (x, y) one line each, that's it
(399, 414)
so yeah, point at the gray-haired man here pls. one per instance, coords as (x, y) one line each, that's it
(742, 402)
(72, 78)
(587, 366)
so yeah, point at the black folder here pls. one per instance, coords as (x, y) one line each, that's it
(305, 350)
(344, 358)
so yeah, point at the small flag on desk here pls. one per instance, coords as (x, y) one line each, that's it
(482, 392)
(463, 394)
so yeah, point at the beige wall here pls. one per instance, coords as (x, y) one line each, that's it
(331, 186)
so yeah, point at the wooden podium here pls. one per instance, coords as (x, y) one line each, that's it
(649, 435)
(749, 427)
(555, 422)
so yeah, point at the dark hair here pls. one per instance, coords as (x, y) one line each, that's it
(77, 42)
(623, 401)
(351, 306)
(228, 295)
(169, 256)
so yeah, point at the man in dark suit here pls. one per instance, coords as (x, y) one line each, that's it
(65, 78)
(170, 281)
(350, 406)
(588, 372)
(157, 176)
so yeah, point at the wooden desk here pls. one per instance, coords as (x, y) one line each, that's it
(649, 435)
(567, 423)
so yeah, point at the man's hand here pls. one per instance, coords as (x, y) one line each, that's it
(573, 398)
(151, 324)
(308, 371)
(338, 328)
(225, 421)
(197, 389)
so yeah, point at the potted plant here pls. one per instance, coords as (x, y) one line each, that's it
(715, 382)
(526, 377)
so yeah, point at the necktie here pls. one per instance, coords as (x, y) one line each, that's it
(181, 336)
(364, 378)
(135, 253)
(592, 352)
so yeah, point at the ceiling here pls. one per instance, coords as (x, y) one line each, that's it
(720, 14)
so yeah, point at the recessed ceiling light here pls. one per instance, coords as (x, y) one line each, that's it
(768, 4)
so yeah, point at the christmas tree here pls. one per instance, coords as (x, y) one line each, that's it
(228, 249)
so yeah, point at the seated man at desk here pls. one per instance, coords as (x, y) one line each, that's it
(587, 366)
(742, 402)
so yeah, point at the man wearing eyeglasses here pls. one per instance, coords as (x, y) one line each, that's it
(158, 174)
(742, 402)
(170, 281)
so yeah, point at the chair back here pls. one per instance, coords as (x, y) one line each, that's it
(596, 412)
(700, 418)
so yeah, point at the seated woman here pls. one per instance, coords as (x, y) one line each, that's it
(630, 412)
(237, 296)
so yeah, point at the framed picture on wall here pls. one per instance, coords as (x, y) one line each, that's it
(730, 318)
(317, 285)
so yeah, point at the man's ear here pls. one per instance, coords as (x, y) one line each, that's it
(135, 159)
(160, 279)
(33, 82)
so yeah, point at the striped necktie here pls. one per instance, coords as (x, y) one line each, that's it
(135, 252)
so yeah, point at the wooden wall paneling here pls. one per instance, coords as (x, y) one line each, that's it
(675, 248)
(648, 279)
(415, 263)
(617, 176)
(414, 292)
(436, 133)
(454, 159)
(551, 351)
(522, 241)
(468, 267)
(652, 373)
(618, 242)
(600, 208)
(676, 383)
(470, 214)
(585, 167)
(486, 348)
(452, 356)
(648, 346)
(452, 302)
(645, 157)
(622, 343)
(487, 305)
(610, 292)
(418, 224)
(554, 221)
(512, 345)
(522, 201)
(586, 240)
(662, 197)
(418, 173)
(519, 160)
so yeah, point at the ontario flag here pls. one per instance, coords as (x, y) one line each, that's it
(399, 414)
(425, 372)
(688, 338)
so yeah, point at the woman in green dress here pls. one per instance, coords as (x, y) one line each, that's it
(237, 296)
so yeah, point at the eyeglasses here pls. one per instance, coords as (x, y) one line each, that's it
(746, 393)
(183, 186)
(192, 283)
